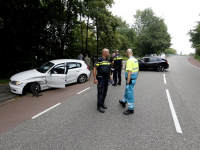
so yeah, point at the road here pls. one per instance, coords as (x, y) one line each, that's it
(167, 116)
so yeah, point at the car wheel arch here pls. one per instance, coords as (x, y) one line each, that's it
(27, 87)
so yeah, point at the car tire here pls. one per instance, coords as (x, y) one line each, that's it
(160, 69)
(82, 78)
(35, 88)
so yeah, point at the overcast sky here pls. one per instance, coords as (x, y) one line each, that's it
(180, 17)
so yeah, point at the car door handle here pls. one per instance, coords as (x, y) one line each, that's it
(77, 71)
(62, 78)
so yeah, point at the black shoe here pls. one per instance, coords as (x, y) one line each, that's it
(104, 106)
(119, 83)
(101, 109)
(114, 84)
(127, 112)
(123, 104)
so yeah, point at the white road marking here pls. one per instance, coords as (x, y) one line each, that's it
(45, 111)
(176, 122)
(83, 90)
(164, 79)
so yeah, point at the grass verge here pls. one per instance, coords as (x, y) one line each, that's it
(4, 81)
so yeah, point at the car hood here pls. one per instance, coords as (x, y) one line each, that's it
(26, 75)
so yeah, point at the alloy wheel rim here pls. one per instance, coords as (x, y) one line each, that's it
(82, 78)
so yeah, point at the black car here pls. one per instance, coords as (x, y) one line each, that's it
(155, 62)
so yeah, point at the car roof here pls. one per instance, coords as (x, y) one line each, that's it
(58, 61)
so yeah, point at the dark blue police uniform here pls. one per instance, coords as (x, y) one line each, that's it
(103, 74)
(118, 68)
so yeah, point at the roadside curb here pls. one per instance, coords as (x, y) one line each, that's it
(193, 62)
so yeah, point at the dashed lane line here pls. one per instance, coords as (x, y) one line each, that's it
(165, 82)
(83, 90)
(176, 122)
(45, 111)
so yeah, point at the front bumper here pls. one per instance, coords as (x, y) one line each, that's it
(17, 89)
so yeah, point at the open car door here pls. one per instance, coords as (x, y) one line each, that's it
(57, 76)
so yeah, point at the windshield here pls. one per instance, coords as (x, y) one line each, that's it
(44, 68)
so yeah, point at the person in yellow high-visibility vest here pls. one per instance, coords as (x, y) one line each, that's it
(131, 74)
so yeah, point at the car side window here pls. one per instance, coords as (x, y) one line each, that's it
(153, 59)
(141, 60)
(59, 69)
(146, 59)
(73, 65)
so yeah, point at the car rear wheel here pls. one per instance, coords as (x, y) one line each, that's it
(82, 78)
(35, 88)
(160, 69)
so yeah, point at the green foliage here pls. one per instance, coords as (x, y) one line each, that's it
(195, 38)
(197, 57)
(191, 54)
(170, 51)
(152, 35)
(4, 81)
(33, 32)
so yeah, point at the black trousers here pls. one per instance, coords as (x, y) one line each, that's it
(117, 73)
(102, 88)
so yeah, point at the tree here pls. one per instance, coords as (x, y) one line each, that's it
(195, 38)
(34, 32)
(151, 31)
(170, 51)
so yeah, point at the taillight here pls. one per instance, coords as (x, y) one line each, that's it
(88, 68)
(166, 62)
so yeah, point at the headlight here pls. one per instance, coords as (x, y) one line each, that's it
(16, 82)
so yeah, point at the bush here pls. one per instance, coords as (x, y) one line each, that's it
(197, 57)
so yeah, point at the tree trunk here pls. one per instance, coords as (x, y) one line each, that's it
(97, 41)
(87, 34)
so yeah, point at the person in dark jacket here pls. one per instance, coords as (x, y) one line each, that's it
(111, 65)
(118, 63)
(102, 66)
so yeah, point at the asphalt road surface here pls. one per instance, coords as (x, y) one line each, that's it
(167, 116)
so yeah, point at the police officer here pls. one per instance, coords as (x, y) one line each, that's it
(118, 63)
(131, 75)
(112, 65)
(102, 66)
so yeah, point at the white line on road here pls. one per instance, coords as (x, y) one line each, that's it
(164, 79)
(45, 111)
(83, 90)
(176, 122)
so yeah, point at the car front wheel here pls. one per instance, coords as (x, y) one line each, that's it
(35, 88)
(160, 69)
(82, 78)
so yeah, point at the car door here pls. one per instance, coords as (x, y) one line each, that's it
(56, 77)
(141, 63)
(153, 62)
(146, 63)
(73, 71)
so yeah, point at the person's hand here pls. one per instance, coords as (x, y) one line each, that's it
(127, 86)
(111, 79)
(95, 81)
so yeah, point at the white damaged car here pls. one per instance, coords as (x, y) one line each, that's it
(52, 74)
